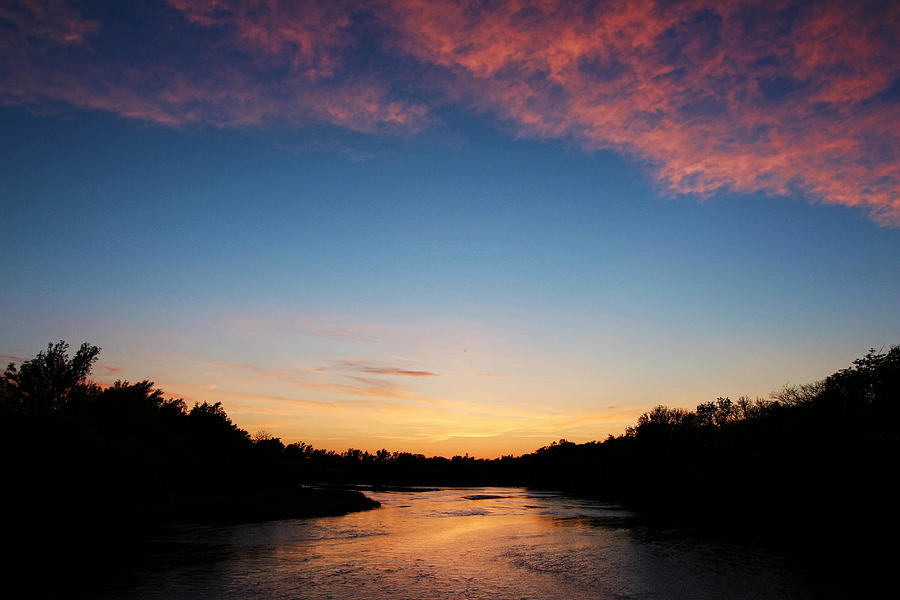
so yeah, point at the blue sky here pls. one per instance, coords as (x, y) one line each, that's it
(470, 283)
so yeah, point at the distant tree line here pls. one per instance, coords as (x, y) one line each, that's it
(809, 449)
(807, 454)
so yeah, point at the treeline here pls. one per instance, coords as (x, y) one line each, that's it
(77, 456)
(830, 447)
(807, 453)
(83, 465)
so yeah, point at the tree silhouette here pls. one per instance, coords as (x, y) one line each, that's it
(43, 384)
(127, 454)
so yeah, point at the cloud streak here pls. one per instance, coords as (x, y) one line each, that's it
(226, 64)
(381, 369)
(398, 372)
(753, 97)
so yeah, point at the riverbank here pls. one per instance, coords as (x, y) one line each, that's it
(83, 540)
(243, 506)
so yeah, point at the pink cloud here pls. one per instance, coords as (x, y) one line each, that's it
(50, 21)
(310, 35)
(752, 97)
(755, 97)
(269, 62)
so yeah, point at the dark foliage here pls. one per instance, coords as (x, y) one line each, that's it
(828, 443)
(86, 468)
(814, 462)
(782, 463)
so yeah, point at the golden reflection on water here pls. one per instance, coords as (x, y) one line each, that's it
(441, 544)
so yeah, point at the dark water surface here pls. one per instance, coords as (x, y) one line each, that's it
(503, 543)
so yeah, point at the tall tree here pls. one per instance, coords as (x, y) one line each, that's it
(43, 384)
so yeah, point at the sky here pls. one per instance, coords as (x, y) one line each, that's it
(450, 227)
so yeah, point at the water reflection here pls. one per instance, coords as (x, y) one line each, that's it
(461, 543)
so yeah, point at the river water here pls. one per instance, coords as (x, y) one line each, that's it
(487, 543)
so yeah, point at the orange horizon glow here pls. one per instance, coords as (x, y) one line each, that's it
(465, 392)
(401, 423)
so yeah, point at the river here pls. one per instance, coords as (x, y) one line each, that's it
(486, 543)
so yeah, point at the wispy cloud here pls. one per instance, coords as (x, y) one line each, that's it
(47, 22)
(105, 369)
(324, 327)
(238, 64)
(749, 96)
(5, 359)
(380, 369)
(399, 372)
(758, 97)
(336, 384)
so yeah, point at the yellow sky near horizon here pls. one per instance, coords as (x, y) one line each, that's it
(470, 389)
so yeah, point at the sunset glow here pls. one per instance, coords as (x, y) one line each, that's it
(451, 227)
